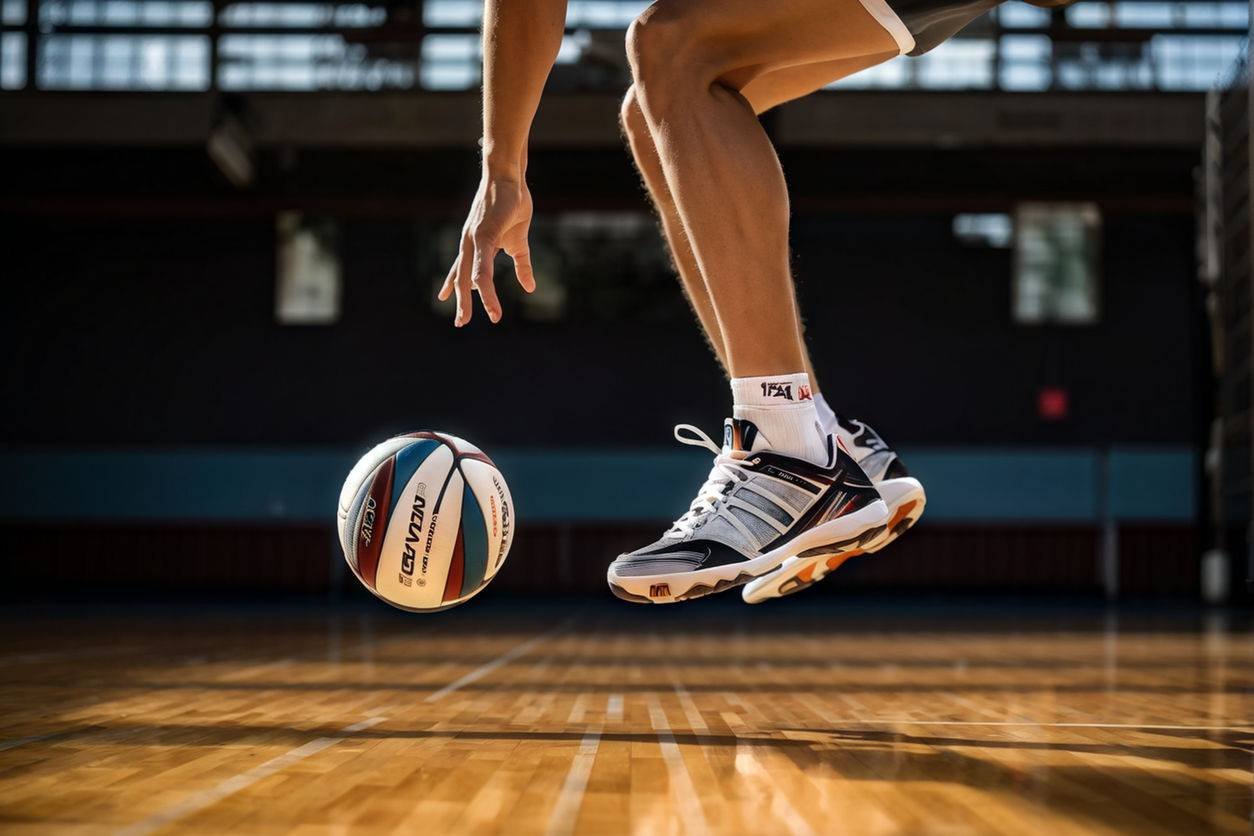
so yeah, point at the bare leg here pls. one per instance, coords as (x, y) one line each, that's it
(690, 60)
(763, 93)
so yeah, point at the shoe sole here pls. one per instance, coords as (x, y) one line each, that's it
(906, 500)
(859, 529)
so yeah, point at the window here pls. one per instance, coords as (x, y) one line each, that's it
(164, 45)
(308, 281)
(590, 266)
(12, 61)
(992, 229)
(1056, 264)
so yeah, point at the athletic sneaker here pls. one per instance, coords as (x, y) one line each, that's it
(756, 509)
(902, 493)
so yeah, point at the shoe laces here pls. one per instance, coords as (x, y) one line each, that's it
(712, 495)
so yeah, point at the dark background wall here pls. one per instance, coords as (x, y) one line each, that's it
(161, 330)
(140, 315)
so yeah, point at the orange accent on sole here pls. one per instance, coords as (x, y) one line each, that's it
(901, 513)
(807, 574)
(834, 562)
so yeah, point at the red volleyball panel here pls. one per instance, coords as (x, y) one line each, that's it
(371, 529)
(452, 445)
(453, 586)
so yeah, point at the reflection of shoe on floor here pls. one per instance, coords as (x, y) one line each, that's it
(901, 492)
(756, 509)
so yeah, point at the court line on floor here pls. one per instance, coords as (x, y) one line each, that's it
(206, 798)
(749, 765)
(691, 712)
(1240, 726)
(570, 798)
(475, 675)
(504, 659)
(681, 781)
(578, 710)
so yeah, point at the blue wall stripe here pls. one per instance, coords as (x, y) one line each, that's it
(301, 485)
(1150, 484)
(475, 541)
(992, 484)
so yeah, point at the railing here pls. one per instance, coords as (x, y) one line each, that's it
(204, 45)
(1227, 272)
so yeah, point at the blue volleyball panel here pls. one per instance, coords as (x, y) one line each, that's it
(408, 460)
(475, 537)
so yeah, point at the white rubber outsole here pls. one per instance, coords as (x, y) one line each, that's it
(860, 528)
(906, 500)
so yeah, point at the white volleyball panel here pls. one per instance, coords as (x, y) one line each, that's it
(421, 536)
(364, 467)
(497, 506)
(463, 446)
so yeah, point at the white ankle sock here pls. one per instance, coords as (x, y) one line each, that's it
(783, 410)
(827, 415)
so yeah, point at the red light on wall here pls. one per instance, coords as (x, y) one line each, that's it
(1053, 404)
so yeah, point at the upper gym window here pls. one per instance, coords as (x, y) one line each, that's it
(294, 45)
(1056, 258)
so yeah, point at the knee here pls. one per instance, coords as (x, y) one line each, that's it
(666, 51)
(631, 118)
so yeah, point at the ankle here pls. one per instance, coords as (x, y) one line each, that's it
(782, 409)
(827, 415)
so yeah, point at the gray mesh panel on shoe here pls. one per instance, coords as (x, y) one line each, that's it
(720, 529)
(766, 506)
(759, 528)
(876, 464)
(794, 499)
(656, 544)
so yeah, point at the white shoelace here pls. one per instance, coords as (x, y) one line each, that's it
(713, 493)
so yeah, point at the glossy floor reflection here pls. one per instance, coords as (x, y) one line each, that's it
(605, 718)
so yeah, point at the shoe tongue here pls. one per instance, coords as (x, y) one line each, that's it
(742, 437)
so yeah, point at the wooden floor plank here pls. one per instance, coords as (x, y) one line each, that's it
(613, 721)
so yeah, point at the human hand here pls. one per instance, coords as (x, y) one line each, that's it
(499, 219)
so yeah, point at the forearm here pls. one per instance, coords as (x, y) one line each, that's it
(520, 43)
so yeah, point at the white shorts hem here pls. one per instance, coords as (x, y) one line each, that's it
(886, 17)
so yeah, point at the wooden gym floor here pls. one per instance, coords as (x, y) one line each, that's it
(549, 716)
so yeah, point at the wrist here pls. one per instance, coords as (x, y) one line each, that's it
(500, 164)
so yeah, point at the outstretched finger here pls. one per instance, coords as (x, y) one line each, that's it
(446, 289)
(482, 277)
(522, 269)
(461, 285)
